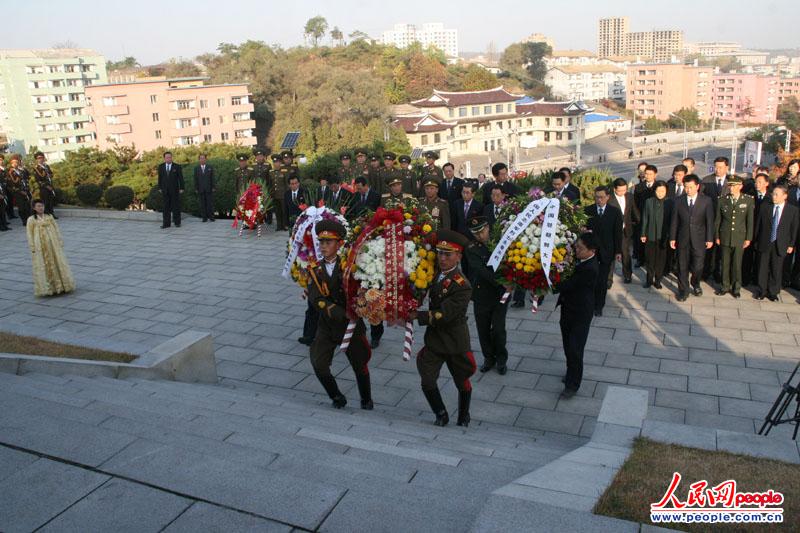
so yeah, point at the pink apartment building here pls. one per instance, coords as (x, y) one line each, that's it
(656, 90)
(746, 97)
(156, 112)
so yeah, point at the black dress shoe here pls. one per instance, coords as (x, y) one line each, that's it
(487, 365)
(720, 292)
(598, 312)
(627, 280)
(737, 294)
(442, 419)
(212, 219)
(367, 405)
(339, 401)
(164, 227)
(646, 285)
(567, 393)
(609, 284)
(305, 340)
(772, 298)
(682, 297)
(374, 343)
(502, 369)
(518, 304)
(697, 291)
(657, 285)
(177, 225)
(758, 296)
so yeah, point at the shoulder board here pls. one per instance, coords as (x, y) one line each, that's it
(385, 195)
(459, 279)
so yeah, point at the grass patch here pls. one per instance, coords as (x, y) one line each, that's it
(645, 476)
(32, 346)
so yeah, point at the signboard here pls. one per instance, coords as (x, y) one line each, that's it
(752, 155)
(527, 141)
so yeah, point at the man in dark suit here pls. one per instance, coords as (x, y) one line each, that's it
(492, 210)
(450, 191)
(467, 208)
(570, 188)
(775, 237)
(576, 298)
(324, 190)
(715, 186)
(293, 199)
(691, 233)
(204, 187)
(558, 187)
(641, 192)
(762, 198)
(170, 183)
(623, 200)
(501, 181)
(791, 265)
(675, 184)
(365, 198)
(339, 199)
(605, 223)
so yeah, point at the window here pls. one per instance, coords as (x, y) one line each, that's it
(476, 110)
(75, 97)
(153, 98)
(158, 134)
(462, 111)
(223, 136)
(236, 100)
(462, 130)
(112, 119)
(462, 145)
(485, 146)
(437, 138)
(547, 121)
(109, 101)
(451, 112)
(559, 122)
(558, 136)
(241, 134)
(69, 68)
(500, 125)
(569, 136)
(56, 83)
(499, 144)
(424, 140)
(58, 98)
(508, 108)
(185, 123)
(155, 117)
(206, 121)
(203, 104)
(498, 108)
(487, 110)
(547, 136)
(185, 104)
(207, 138)
(529, 122)
(220, 102)
(221, 119)
(569, 121)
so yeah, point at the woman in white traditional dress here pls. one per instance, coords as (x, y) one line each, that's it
(51, 272)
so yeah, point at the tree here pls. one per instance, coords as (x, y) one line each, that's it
(128, 62)
(525, 63)
(690, 115)
(358, 35)
(337, 37)
(789, 113)
(478, 79)
(423, 76)
(181, 68)
(315, 29)
(653, 125)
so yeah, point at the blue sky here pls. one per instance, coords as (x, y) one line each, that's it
(153, 30)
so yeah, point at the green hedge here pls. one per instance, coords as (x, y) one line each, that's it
(587, 179)
(89, 194)
(119, 197)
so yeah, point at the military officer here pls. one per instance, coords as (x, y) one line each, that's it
(395, 195)
(490, 314)
(409, 177)
(345, 172)
(326, 293)
(430, 171)
(44, 179)
(361, 167)
(437, 207)
(374, 174)
(288, 166)
(388, 172)
(278, 186)
(242, 176)
(447, 334)
(19, 188)
(734, 232)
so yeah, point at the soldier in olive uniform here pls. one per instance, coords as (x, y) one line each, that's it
(410, 179)
(395, 195)
(490, 314)
(361, 167)
(447, 334)
(437, 207)
(374, 175)
(388, 172)
(44, 179)
(430, 171)
(19, 188)
(734, 232)
(346, 172)
(326, 293)
(242, 176)
(288, 166)
(278, 187)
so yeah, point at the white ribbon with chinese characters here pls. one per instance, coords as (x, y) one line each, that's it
(547, 240)
(314, 215)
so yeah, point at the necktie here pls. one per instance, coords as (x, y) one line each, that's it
(680, 190)
(776, 218)
(496, 212)
(294, 196)
(466, 210)
(599, 211)
(203, 169)
(363, 197)
(691, 204)
(760, 197)
(449, 185)
(168, 167)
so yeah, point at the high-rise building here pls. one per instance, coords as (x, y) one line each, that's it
(42, 101)
(170, 112)
(430, 33)
(611, 36)
(656, 90)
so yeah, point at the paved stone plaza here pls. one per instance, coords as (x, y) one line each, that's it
(711, 361)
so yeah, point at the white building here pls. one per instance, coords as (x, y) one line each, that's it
(711, 48)
(430, 33)
(587, 82)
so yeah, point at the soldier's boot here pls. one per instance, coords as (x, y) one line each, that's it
(365, 391)
(437, 406)
(330, 386)
(464, 398)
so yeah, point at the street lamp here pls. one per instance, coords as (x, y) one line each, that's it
(685, 145)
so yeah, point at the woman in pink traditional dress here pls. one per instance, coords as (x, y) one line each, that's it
(51, 272)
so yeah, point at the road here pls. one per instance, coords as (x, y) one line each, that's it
(627, 169)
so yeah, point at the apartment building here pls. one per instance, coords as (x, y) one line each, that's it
(656, 90)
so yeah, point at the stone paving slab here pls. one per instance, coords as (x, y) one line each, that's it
(713, 361)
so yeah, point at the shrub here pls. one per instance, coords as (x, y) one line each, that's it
(89, 194)
(155, 200)
(587, 179)
(119, 197)
(60, 196)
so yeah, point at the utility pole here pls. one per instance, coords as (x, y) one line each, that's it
(685, 144)
(733, 150)
(578, 141)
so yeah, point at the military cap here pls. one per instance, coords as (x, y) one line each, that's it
(394, 181)
(405, 159)
(361, 152)
(37, 154)
(476, 224)
(286, 153)
(733, 179)
(330, 230)
(242, 157)
(373, 157)
(431, 183)
(275, 157)
(389, 155)
(430, 154)
(450, 241)
(344, 156)
(259, 151)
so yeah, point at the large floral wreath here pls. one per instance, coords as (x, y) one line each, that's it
(251, 209)
(303, 246)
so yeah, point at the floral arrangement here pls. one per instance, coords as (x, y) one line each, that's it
(391, 262)
(523, 261)
(252, 207)
(302, 249)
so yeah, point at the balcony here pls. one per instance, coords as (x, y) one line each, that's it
(189, 131)
(244, 124)
(177, 114)
(119, 109)
(118, 128)
(241, 108)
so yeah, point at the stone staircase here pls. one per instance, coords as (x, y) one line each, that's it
(272, 459)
